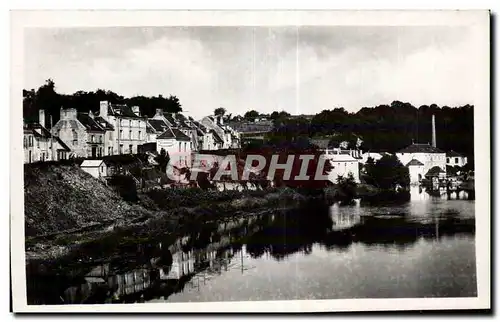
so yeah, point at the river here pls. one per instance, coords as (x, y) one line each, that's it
(424, 247)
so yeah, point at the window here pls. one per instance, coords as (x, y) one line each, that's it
(190, 145)
(110, 150)
(37, 143)
(447, 160)
(130, 148)
(130, 134)
(121, 149)
(129, 123)
(456, 160)
(139, 136)
(25, 144)
(121, 134)
(180, 146)
(93, 139)
(75, 137)
(185, 146)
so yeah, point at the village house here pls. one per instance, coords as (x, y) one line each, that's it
(178, 146)
(40, 145)
(206, 139)
(454, 159)
(231, 138)
(130, 127)
(426, 154)
(156, 126)
(81, 132)
(343, 164)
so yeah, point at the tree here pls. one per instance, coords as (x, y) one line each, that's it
(388, 173)
(220, 111)
(251, 114)
(163, 159)
(347, 187)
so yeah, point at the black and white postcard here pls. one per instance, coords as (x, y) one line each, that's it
(250, 161)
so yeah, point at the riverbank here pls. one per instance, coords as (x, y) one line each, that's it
(70, 215)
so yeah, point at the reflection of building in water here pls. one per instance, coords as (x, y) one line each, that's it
(346, 216)
(417, 193)
(130, 282)
(182, 265)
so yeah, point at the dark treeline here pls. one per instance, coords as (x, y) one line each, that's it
(46, 97)
(381, 128)
(388, 127)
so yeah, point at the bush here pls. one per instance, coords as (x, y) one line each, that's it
(125, 186)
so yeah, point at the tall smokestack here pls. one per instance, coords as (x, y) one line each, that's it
(433, 130)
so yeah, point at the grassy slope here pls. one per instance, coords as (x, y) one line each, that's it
(62, 197)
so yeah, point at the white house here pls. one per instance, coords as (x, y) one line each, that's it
(416, 169)
(343, 164)
(428, 155)
(177, 144)
(96, 168)
(455, 159)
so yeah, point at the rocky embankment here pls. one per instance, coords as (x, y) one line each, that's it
(69, 213)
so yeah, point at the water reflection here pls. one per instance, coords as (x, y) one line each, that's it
(158, 269)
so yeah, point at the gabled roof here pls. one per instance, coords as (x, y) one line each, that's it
(170, 118)
(121, 110)
(453, 154)
(200, 126)
(414, 162)
(103, 123)
(173, 133)
(158, 125)
(62, 144)
(168, 134)
(420, 148)
(216, 136)
(180, 136)
(41, 133)
(89, 123)
(434, 171)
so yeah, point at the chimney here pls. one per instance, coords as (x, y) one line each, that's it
(91, 114)
(433, 130)
(159, 112)
(41, 117)
(221, 122)
(103, 109)
(136, 110)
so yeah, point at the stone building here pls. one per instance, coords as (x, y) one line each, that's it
(130, 128)
(81, 132)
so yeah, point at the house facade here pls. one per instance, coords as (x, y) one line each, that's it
(130, 128)
(81, 133)
(454, 159)
(177, 144)
(96, 168)
(40, 145)
(416, 170)
(428, 155)
(342, 165)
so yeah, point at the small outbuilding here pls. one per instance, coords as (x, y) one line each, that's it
(96, 168)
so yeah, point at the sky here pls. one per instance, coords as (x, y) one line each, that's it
(301, 70)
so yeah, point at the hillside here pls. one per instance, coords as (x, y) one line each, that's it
(63, 197)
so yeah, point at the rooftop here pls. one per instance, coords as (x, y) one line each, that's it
(420, 148)
(414, 162)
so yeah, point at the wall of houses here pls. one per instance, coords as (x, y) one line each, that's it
(129, 133)
(429, 160)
